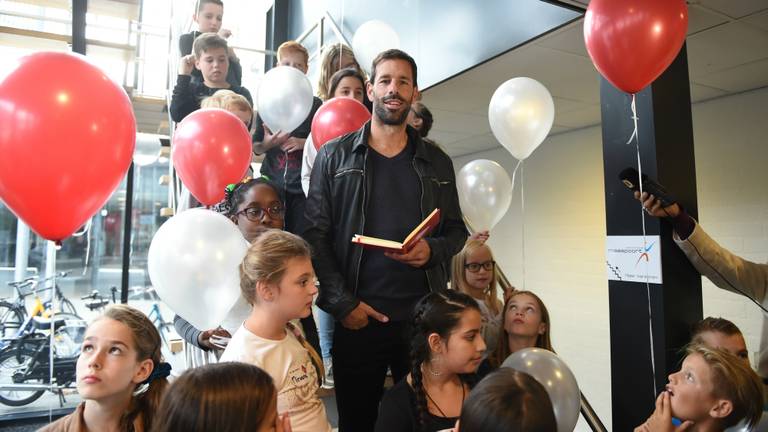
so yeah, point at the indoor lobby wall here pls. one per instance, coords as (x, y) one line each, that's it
(565, 228)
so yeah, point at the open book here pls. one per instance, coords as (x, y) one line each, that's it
(420, 231)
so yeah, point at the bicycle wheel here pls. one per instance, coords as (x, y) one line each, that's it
(66, 306)
(13, 362)
(11, 318)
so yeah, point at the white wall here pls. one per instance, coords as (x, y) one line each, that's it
(565, 228)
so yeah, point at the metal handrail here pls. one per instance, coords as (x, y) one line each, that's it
(590, 416)
(320, 23)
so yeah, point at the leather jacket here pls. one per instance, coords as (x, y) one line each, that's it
(336, 209)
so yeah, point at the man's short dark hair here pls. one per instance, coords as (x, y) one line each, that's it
(202, 3)
(393, 54)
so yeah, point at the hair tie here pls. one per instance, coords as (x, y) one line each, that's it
(162, 370)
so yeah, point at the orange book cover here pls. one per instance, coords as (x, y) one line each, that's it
(424, 228)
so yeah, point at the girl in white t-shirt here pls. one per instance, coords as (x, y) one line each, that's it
(277, 279)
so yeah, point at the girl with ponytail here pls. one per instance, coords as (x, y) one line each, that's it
(120, 375)
(277, 280)
(446, 349)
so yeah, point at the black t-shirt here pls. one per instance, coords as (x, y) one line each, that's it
(394, 210)
(397, 412)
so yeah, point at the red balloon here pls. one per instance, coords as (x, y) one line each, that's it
(631, 42)
(337, 117)
(67, 134)
(211, 149)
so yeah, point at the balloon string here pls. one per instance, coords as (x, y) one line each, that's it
(522, 212)
(87, 231)
(52, 318)
(636, 137)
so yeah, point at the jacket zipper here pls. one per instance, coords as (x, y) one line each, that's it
(348, 170)
(421, 207)
(285, 176)
(362, 222)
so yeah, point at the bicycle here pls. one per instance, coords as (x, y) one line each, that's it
(13, 314)
(26, 361)
(160, 323)
(95, 301)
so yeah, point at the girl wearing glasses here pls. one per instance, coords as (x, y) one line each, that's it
(255, 207)
(474, 274)
(525, 324)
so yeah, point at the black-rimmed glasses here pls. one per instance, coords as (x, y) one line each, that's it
(475, 267)
(255, 214)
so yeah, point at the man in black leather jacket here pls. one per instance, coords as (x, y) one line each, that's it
(381, 181)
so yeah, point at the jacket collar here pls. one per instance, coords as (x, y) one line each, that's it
(361, 141)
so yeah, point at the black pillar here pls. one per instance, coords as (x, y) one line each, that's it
(79, 8)
(277, 30)
(667, 154)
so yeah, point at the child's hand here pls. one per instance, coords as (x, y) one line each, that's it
(481, 236)
(225, 33)
(204, 338)
(283, 423)
(187, 64)
(661, 419)
(275, 139)
(293, 144)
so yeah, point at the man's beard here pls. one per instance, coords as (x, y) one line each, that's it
(388, 117)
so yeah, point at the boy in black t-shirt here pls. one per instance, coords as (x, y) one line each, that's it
(211, 59)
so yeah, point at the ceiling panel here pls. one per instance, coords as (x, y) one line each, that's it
(569, 39)
(700, 92)
(725, 47)
(445, 137)
(579, 118)
(452, 121)
(740, 78)
(725, 55)
(759, 20)
(734, 8)
(700, 18)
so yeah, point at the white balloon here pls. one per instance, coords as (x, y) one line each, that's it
(371, 38)
(194, 261)
(485, 192)
(521, 113)
(284, 99)
(556, 377)
(147, 149)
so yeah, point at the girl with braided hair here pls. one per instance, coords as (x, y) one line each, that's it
(446, 349)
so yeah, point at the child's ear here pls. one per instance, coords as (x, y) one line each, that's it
(542, 328)
(265, 291)
(194, 17)
(722, 409)
(435, 343)
(143, 371)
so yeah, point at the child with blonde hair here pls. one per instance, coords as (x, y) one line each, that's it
(277, 279)
(473, 272)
